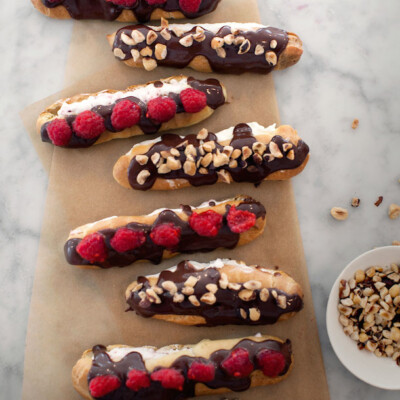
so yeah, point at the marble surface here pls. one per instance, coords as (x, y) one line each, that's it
(349, 70)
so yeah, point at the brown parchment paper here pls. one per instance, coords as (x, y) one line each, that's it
(74, 309)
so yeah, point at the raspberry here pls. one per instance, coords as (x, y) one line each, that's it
(161, 109)
(92, 248)
(137, 380)
(201, 372)
(152, 2)
(101, 385)
(271, 362)
(59, 132)
(123, 3)
(238, 363)
(193, 100)
(88, 125)
(190, 6)
(240, 221)
(125, 114)
(166, 235)
(206, 223)
(126, 239)
(170, 378)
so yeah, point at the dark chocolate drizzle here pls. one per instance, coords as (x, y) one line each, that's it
(211, 87)
(250, 170)
(179, 56)
(103, 365)
(102, 9)
(190, 241)
(226, 309)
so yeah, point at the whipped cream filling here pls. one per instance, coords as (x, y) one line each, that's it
(147, 352)
(214, 28)
(218, 263)
(205, 204)
(226, 134)
(144, 93)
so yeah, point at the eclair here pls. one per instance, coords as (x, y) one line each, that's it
(120, 241)
(125, 10)
(87, 119)
(244, 153)
(181, 371)
(220, 292)
(228, 47)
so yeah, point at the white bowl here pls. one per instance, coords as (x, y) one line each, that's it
(380, 372)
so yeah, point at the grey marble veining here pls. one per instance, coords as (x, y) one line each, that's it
(350, 69)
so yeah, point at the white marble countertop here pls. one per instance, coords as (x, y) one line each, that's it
(350, 69)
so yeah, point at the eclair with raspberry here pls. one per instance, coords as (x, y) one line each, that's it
(244, 153)
(179, 371)
(87, 119)
(125, 10)
(227, 47)
(220, 292)
(121, 241)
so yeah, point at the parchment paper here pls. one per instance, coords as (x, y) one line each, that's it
(73, 309)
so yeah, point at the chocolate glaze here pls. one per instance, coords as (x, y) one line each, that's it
(211, 87)
(226, 309)
(246, 171)
(102, 9)
(103, 365)
(179, 56)
(190, 241)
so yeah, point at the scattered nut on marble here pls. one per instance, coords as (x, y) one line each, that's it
(339, 213)
(355, 202)
(355, 123)
(394, 211)
(379, 201)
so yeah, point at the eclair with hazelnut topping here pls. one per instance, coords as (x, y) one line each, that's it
(220, 292)
(121, 241)
(92, 118)
(244, 153)
(228, 47)
(181, 371)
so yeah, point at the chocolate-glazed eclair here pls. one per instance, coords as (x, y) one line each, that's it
(179, 371)
(87, 119)
(244, 153)
(120, 241)
(220, 292)
(125, 10)
(225, 47)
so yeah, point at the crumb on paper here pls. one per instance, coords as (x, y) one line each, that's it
(355, 123)
(396, 243)
(379, 201)
(339, 213)
(355, 202)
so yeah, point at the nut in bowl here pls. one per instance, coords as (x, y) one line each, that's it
(362, 319)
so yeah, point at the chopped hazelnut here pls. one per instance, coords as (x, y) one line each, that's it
(149, 64)
(142, 176)
(186, 41)
(137, 36)
(142, 159)
(270, 56)
(119, 53)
